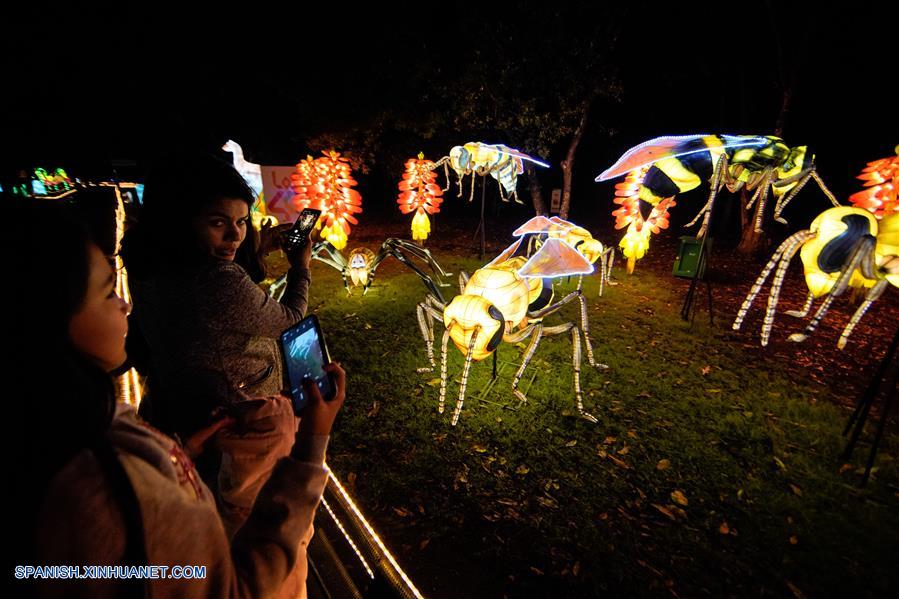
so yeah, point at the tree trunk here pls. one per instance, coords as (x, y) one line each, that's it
(751, 241)
(536, 190)
(568, 163)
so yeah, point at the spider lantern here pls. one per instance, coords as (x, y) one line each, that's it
(663, 167)
(508, 300)
(359, 267)
(844, 247)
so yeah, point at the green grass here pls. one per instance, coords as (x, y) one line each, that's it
(531, 500)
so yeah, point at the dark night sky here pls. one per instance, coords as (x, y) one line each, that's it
(122, 86)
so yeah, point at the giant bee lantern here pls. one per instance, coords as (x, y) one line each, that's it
(507, 300)
(659, 169)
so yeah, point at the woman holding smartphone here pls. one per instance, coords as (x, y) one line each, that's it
(93, 485)
(210, 333)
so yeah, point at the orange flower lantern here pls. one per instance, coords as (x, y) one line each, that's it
(326, 183)
(881, 179)
(420, 193)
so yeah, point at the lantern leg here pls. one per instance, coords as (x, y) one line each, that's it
(428, 312)
(806, 307)
(536, 332)
(863, 248)
(873, 294)
(797, 241)
(788, 245)
(576, 362)
(463, 281)
(442, 401)
(585, 328)
(720, 167)
(465, 369)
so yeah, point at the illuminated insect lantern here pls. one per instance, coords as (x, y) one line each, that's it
(420, 193)
(663, 167)
(579, 238)
(358, 269)
(507, 300)
(326, 184)
(844, 247)
(501, 162)
(881, 179)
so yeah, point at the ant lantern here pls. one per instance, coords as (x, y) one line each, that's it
(325, 183)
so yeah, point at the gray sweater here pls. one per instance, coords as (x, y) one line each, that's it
(212, 336)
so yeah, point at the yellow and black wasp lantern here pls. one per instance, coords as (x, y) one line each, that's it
(507, 300)
(661, 168)
(844, 247)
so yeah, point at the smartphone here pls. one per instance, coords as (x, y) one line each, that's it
(305, 355)
(302, 227)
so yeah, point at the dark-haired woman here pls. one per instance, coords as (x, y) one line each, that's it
(92, 484)
(211, 332)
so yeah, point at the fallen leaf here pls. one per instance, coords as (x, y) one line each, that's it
(571, 443)
(609, 440)
(724, 528)
(619, 463)
(665, 511)
(632, 434)
(705, 370)
(351, 479)
(522, 469)
(794, 540)
(663, 465)
(713, 390)
(845, 468)
(367, 326)
(780, 463)
(796, 490)
(401, 512)
(423, 544)
(795, 590)
(576, 568)
(536, 571)
(434, 382)
(479, 448)
(678, 497)
(375, 408)
(624, 450)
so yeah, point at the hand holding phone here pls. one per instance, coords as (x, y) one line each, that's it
(305, 357)
(301, 229)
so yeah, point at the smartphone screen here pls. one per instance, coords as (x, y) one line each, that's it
(302, 227)
(305, 355)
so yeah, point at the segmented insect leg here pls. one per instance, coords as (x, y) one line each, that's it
(427, 332)
(463, 281)
(576, 363)
(763, 276)
(536, 335)
(827, 192)
(585, 327)
(797, 240)
(442, 401)
(802, 313)
(782, 203)
(720, 166)
(873, 294)
(763, 199)
(863, 246)
(465, 369)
